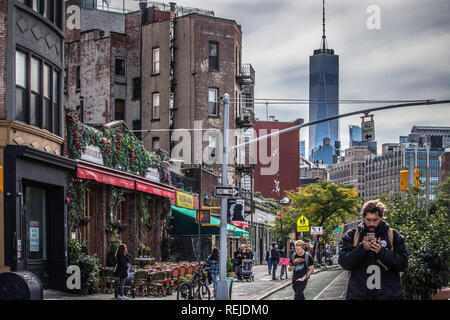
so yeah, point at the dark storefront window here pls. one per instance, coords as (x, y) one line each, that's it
(120, 67)
(37, 94)
(36, 212)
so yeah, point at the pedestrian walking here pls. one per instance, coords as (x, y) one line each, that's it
(275, 259)
(269, 259)
(248, 254)
(375, 254)
(303, 264)
(123, 263)
(238, 256)
(213, 264)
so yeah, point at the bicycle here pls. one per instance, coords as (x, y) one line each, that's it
(196, 289)
(283, 272)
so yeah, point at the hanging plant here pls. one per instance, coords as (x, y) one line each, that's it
(116, 197)
(76, 194)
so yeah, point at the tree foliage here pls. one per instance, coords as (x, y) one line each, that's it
(425, 228)
(324, 204)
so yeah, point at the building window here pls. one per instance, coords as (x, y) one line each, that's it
(434, 179)
(137, 126)
(119, 112)
(434, 171)
(120, 67)
(155, 106)
(422, 162)
(37, 94)
(155, 144)
(213, 103)
(78, 78)
(21, 86)
(155, 61)
(213, 56)
(136, 88)
(65, 80)
(434, 163)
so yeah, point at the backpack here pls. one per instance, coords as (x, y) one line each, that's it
(307, 257)
(356, 237)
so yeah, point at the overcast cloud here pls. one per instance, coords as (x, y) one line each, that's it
(408, 58)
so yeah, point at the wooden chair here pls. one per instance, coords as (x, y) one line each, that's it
(141, 282)
(182, 271)
(157, 283)
(190, 270)
(107, 279)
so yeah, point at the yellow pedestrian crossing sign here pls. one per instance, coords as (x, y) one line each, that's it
(302, 224)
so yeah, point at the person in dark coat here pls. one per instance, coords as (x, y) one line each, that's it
(375, 267)
(238, 256)
(123, 260)
(275, 256)
(269, 259)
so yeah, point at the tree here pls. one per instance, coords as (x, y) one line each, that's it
(324, 204)
(425, 228)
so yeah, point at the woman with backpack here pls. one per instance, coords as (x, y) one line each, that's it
(303, 265)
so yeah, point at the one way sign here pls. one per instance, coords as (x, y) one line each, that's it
(220, 191)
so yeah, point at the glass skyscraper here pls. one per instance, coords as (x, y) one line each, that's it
(323, 94)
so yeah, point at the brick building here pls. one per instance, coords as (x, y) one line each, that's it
(33, 213)
(445, 165)
(278, 166)
(352, 169)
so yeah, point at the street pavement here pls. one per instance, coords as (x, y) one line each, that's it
(262, 287)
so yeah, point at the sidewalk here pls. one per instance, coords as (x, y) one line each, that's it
(262, 287)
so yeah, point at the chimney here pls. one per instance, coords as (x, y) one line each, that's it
(143, 7)
(172, 10)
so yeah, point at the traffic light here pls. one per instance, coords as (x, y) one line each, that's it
(1, 179)
(404, 180)
(416, 178)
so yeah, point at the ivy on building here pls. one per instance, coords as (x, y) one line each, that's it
(120, 150)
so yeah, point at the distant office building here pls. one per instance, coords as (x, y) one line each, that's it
(430, 131)
(355, 134)
(311, 172)
(324, 98)
(303, 148)
(324, 153)
(352, 169)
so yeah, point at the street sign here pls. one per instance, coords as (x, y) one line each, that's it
(368, 129)
(316, 230)
(220, 191)
(302, 224)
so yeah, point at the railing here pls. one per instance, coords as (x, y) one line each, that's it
(247, 72)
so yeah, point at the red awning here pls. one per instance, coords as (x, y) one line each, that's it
(112, 177)
(154, 189)
(104, 176)
(240, 224)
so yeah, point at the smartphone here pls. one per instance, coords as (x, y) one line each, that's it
(371, 235)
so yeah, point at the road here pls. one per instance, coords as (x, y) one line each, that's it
(333, 281)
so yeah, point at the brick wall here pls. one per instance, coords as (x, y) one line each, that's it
(3, 56)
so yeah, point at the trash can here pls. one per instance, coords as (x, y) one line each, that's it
(230, 286)
(20, 285)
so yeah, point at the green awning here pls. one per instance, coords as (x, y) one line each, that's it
(183, 223)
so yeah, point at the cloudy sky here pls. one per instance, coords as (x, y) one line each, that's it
(407, 58)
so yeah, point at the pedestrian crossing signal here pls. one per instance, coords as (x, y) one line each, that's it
(203, 216)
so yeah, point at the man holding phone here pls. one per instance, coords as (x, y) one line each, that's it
(375, 262)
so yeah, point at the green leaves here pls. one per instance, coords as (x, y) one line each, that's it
(425, 228)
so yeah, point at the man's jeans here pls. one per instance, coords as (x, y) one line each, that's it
(274, 270)
(269, 264)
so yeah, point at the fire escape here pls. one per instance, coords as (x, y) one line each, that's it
(246, 121)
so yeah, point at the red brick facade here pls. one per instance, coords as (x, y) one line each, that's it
(287, 151)
(3, 56)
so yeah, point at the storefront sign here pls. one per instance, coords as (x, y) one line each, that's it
(184, 200)
(92, 154)
(149, 188)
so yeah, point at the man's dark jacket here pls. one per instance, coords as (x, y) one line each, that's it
(357, 260)
(275, 256)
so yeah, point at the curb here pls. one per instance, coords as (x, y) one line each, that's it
(288, 283)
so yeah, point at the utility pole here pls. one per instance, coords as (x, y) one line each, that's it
(222, 286)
